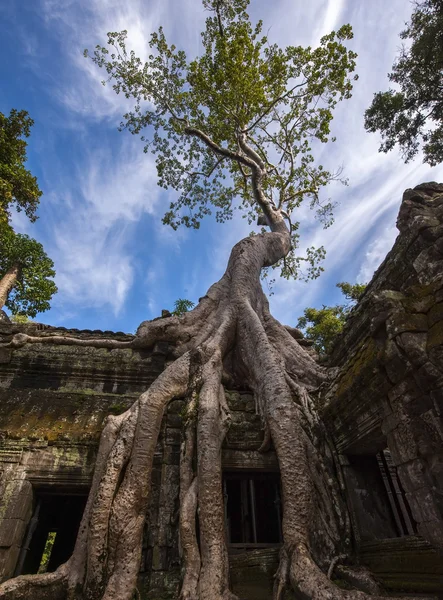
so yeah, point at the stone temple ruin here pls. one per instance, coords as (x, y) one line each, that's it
(383, 410)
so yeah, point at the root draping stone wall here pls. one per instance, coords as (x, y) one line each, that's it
(386, 391)
(54, 400)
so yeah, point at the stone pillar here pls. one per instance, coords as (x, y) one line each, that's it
(15, 512)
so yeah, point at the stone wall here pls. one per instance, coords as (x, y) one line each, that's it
(388, 389)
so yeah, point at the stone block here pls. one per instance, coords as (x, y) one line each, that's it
(240, 402)
(389, 423)
(435, 314)
(435, 467)
(413, 475)
(176, 407)
(437, 399)
(414, 346)
(432, 531)
(397, 367)
(428, 377)
(405, 386)
(422, 305)
(5, 355)
(20, 505)
(423, 505)
(406, 399)
(171, 455)
(173, 436)
(402, 322)
(8, 560)
(159, 558)
(11, 532)
(401, 444)
(435, 336)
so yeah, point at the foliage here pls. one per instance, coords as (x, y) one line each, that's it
(18, 186)
(412, 114)
(46, 556)
(324, 324)
(34, 287)
(182, 306)
(233, 128)
(20, 319)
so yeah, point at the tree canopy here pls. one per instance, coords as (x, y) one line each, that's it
(411, 114)
(18, 187)
(322, 325)
(234, 128)
(33, 286)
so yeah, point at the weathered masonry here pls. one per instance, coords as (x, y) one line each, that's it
(383, 410)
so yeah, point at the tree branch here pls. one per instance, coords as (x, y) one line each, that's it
(272, 105)
(240, 158)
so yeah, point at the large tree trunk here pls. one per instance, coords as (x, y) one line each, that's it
(233, 321)
(7, 282)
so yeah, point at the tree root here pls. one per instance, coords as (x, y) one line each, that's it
(334, 563)
(50, 586)
(360, 578)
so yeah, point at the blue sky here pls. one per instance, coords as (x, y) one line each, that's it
(100, 216)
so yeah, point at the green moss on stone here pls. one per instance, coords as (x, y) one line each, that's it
(435, 336)
(365, 357)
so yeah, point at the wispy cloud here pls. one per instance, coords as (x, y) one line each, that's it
(376, 252)
(91, 232)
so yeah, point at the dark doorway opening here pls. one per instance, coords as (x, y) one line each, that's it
(253, 509)
(52, 531)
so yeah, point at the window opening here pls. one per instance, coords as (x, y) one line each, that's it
(52, 531)
(401, 510)
(379, 505)
(252, 509)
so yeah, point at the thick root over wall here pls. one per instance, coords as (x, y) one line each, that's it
(230, 326)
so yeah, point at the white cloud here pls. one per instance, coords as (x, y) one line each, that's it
(332, 13)
(90, 234)
(84, 23)
(376, 253)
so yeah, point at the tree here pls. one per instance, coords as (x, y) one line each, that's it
(18, 187)
(411, 115)
(237, 122)
(182, 306)
(26, 272)
(322, 325)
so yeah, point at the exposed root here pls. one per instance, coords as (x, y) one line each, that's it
(21, 339)
(189, 543)
(214, 575)
(188, 507)
(359, 578)
(334, 563)
(50, 586)
(267, 440)
(282, 576)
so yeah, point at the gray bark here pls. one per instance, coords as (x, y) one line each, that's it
(7, 282)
